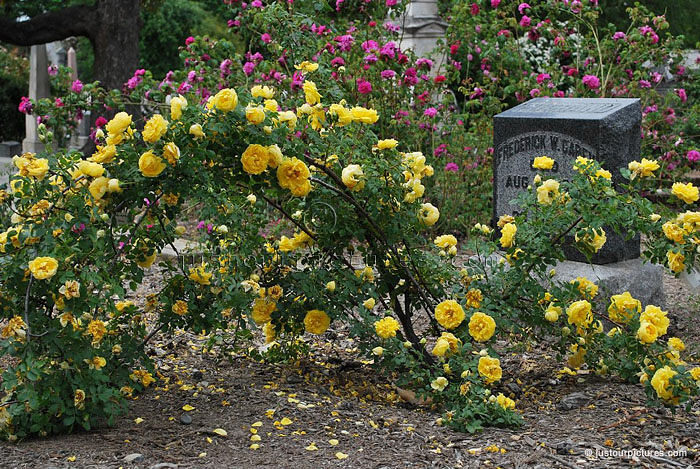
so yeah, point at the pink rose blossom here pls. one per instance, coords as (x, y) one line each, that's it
(430, 112)
(591, 81)
(522, 7)
(681, 94)
(189, 40)
(619, 35)
(693, 156)
(266, 38)
(388, 74)
(495, 3)
(363, 86)
(525, 21)
(452, 167)
(77, 86)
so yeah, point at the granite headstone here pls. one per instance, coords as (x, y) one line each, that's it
(604, 129)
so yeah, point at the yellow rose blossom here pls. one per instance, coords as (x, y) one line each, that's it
(353, 177)
(428, 214)
(386, 327)
(657, 317)
(505, 402)
(552, 313)
(623, 307)
(271, 105)
(675, 261)
(586, 288)
(70, 289)
(180, 308)
(196, 131)
(311, 93)
(363, 115)
(695, 373)
(449, 314)
(67, 318)
(594, 242)
(387, 144)
(154, 129)
(104, 154)
(417, 190)
(330, 286)
(79, 399)
(90, 168)
(686, 192)
(445, 241)
(151, 165)
(274, 155)
(661, 382)
(447, 344)
(262, 310)
(474, 297)
(647, 332)
(225, 100)
(547, 192)
(119, 123)
(508, 235)
(582, 163)
(543, 162)
(369, 303)
(439, 383)
(490, 369)
(96, 363)
(98, 188)
(316, 321)
(97, 330)
(307, 66)
(288, 117)
(43, 268)
(143, 376)
(344, 115)
(481, 326)
(171, 152)
(200, 275)
(579, 313)
(259, 91)
(254, 114)
(15, 328)
(644, 169)
(177, 104)
(254, 159)
(675, 343)
(504, 219)
(293, 174)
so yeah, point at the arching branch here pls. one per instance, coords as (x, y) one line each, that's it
(51, 26)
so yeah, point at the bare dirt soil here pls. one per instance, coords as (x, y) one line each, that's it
(313, 413)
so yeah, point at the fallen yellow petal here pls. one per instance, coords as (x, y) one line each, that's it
(202, 455)
(286, 421)
(340, 455)
(187, 408)
(138, 420)
(257, 424)
(220, 432)
(71, 458)
(255, 438)
(311, 447)
(254, 446)
(333, 442)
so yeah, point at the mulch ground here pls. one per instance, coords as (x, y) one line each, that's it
(308, 414)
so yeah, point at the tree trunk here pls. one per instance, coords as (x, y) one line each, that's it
(115, 41)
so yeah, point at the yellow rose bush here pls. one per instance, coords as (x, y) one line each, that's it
(357, 241)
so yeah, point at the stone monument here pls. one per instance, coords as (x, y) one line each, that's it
(422, 28)
(38, 88)
(606, 130)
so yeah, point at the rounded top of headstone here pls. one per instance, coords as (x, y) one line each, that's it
(569, 108)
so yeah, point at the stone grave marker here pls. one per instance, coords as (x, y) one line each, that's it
(604, 129)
